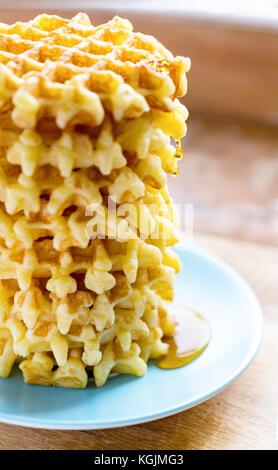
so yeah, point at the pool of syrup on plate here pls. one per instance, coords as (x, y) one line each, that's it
(191, 337)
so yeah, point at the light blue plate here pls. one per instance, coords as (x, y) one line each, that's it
(205, 285)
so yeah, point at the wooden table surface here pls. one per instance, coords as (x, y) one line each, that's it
(244, 416)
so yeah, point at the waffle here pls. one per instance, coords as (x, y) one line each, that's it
(88, 119)
(76, 72)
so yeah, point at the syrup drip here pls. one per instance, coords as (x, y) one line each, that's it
(190, 339)
(179, 152)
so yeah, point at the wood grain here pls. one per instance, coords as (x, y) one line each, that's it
(241, 417)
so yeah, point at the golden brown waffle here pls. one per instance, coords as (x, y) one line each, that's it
(87, 115)
(76, 72)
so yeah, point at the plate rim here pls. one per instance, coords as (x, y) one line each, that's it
(36, 423)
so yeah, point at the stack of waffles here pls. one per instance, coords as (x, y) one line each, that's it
(87, 121)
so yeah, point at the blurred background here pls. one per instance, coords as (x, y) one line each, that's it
(230, 166)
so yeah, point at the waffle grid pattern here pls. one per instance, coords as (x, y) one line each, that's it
(87, 115)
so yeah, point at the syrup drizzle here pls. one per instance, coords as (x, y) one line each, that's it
(190, 339)
(179, 152)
